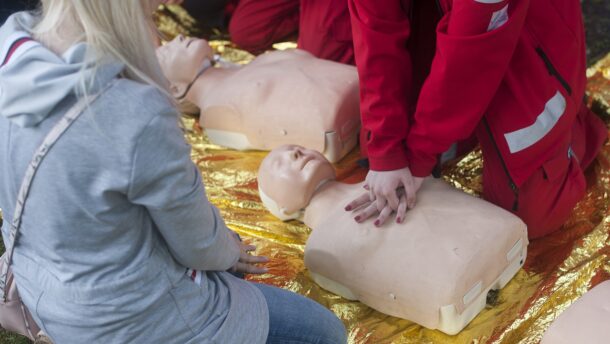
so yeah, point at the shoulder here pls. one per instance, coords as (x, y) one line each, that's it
(139, 98)
(126, 112)
(134, 104)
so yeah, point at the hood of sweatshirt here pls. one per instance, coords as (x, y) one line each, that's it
(34, 79)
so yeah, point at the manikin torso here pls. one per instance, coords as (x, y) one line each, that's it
(449, 251)
(279, 98)
(585, 321)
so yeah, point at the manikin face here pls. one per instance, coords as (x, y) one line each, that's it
(290, 174)
(182, 58)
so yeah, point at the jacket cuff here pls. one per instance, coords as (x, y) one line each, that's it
(388, 162)
(421, 164)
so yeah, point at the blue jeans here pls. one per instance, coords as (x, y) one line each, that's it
(294, 319)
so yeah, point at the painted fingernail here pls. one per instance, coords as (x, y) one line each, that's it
(357, 218)
(348, 208)
(377, 223)
(399, 220)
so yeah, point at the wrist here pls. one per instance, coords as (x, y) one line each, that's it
(388, 163)
(421, 164)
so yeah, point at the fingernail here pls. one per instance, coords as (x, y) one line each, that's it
(399, 220)
(377, 223)
(348, 208)
(357, 218)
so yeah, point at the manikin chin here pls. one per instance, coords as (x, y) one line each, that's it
(281, 97)
(436, 268)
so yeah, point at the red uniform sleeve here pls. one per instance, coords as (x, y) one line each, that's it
(381, 30)
(466, 73)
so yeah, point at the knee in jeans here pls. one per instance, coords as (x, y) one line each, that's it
(338, 334)
(331, 328)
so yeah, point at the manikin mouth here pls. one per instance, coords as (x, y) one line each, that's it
(306, 160)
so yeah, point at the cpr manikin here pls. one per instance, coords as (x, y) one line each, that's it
(280, 97)
(585, 321)
(435, 268)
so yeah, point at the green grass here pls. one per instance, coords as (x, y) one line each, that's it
(10, 338)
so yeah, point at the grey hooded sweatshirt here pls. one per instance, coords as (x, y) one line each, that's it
(116, 213)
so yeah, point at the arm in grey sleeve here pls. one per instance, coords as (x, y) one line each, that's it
(166, 181)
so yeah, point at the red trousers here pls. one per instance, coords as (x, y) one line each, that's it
(545, 201)
(323, 26)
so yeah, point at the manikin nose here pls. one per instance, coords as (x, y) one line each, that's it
(296, 153)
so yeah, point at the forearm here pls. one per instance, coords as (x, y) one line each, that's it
(197, 235)
(168, 185)
(381, 30)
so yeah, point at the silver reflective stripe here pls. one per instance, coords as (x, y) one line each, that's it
(498, 19)
(52, 137)
(523, 138)
(449, 154)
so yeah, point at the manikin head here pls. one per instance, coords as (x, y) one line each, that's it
(288, 178)
(181, 61)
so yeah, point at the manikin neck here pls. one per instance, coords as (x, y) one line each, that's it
(206, 82)
(328, 196)
(302, 212)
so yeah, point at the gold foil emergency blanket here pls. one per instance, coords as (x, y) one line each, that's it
(558, 270)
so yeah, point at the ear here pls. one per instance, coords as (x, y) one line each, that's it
(276, 210)
(285, 216)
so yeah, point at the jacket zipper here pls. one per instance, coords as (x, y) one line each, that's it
(511, 183)
(552, 70)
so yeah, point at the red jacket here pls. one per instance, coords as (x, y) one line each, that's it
(522, 82)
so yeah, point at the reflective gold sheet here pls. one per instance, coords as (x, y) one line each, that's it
(558, 270)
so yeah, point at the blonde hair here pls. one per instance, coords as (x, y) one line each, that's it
(120, 30)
